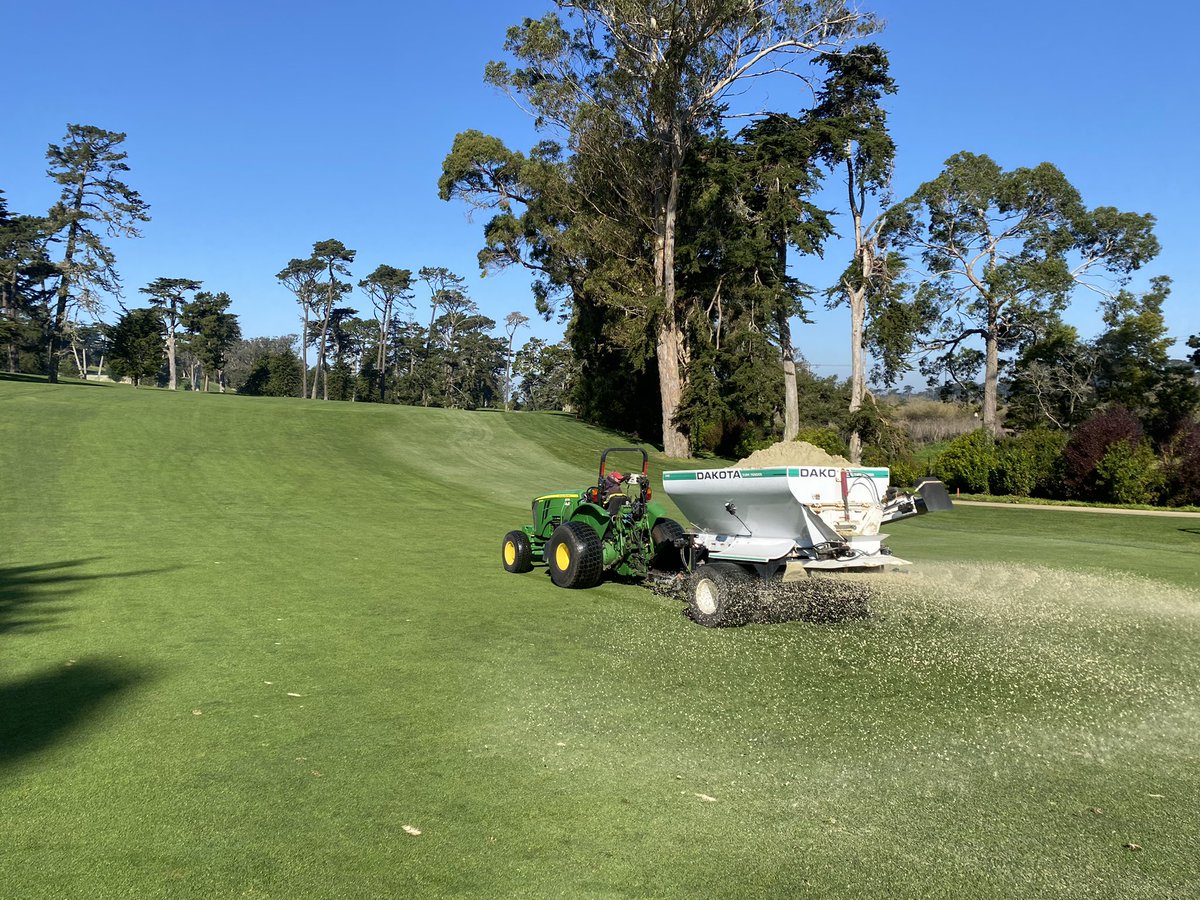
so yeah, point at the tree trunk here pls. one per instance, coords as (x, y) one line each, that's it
(59, 322)
(304, 352)
(319, 373)
(858, 363)
(170, 356)
(791, 396)
(991, 379)
(672, 342)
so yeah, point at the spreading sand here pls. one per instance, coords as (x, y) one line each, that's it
(790, 453)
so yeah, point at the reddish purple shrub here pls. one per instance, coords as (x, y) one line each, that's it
(1088, 444)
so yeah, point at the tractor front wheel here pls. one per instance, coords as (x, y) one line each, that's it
(516, 553)
(719, 595)
(575, 555)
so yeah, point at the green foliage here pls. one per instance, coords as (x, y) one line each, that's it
(1129, 473)
(276, 373)
(828, 439)
(904, 469)
(137, 348)
(967, 462)
(1030, 464)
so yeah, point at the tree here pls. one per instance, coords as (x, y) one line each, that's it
(302, 277)
(1133, 364)
(334, 258)
(446, 292)
(275, 373)
(1053, 381)
(88, 166)
(548, 374)
(512, 322)
(137, 348)
(387, 287)
(212, 331)
(632, 85)
(24, 269)
(168, 297)
(1005, 250)
(244, 354)
(852, 132)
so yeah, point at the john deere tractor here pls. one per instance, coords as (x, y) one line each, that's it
(606, 529)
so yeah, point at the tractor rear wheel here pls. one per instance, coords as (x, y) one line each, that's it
(575, 555)
(516, 553)
(666, 556)
(719, 595)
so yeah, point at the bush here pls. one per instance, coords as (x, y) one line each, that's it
(1030, 465)
(903, 469)
(827, 439)
(967, 462)
(1129, 473)
(1181, 463)
(1089, 443)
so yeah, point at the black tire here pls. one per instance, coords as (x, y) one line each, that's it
(666, 556)
(575, 555)
(719, 595)
(515, 552)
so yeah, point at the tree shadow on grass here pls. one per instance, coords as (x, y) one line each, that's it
(42, 379)
(40, 710)
(32, 596)
(1190, 530)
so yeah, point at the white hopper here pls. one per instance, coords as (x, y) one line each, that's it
(801, 517)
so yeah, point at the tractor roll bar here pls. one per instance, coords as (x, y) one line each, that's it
(604, 457)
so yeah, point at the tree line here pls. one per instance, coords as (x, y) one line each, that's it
(58, 267)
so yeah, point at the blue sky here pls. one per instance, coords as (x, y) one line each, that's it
(257, 128)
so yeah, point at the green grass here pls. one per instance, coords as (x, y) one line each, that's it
(175, 567)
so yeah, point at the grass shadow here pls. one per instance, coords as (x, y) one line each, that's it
(43, 709)
(1190, 530)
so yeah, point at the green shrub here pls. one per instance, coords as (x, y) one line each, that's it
(967, 462)
(903, 469)
(1030, 464)
(826, 438)
(1129, 473)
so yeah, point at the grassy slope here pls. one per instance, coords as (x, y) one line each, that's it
(175, 566)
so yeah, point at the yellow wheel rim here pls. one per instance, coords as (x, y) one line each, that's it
(510, 553)
(562, 557)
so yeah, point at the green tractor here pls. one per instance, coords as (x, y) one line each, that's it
(611, 528)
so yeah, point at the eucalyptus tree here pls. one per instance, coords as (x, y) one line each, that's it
(388, 288)
(168, 297)
(302, 277)
(850, 126)
(88, 165)
(1005, 251)
(631, 83)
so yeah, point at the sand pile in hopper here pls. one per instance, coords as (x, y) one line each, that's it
(790, 453)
